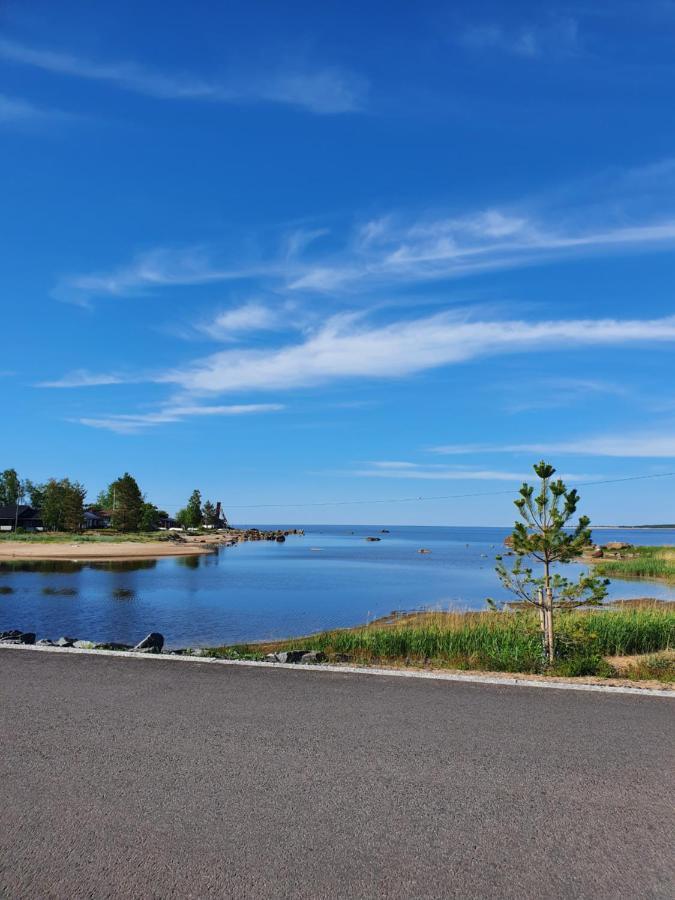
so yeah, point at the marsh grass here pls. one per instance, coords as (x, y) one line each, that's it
(640, 562)
(492, 641)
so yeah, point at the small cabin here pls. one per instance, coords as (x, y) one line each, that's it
(19, 516)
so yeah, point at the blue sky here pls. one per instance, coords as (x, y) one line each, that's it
(308, 252)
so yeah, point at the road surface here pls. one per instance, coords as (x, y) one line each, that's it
(131, 778)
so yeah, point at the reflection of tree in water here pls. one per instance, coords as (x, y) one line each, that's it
(126, 565)
(50, 566)
(189, 562)
(41, 566)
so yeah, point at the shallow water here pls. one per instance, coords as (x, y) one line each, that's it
(332, 577)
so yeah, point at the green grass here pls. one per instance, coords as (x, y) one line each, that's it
(493, 641)
(656, 563)
(62, 537)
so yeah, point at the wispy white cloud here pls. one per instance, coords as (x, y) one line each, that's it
(440, 249)
(131, 423)
(347, 347)
(159, 268)
(558, 37)
(424, 472)
(15, 111)
(555, 393)
(644, 444)
(380, 254)
(83, 378)
(327, 90)
(232, 323)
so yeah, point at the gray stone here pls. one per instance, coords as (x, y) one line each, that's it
(290, 656)
(153, 643)
(84, 645)
(45, 642)
(112, 645)
(18, 637)
(314, 656)
(271, 657)
(66, 642)
(12, 633)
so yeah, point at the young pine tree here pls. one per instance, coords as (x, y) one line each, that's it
(195, 516)
(126, 503)
(545, 536)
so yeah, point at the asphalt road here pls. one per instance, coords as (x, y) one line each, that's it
(127, 778)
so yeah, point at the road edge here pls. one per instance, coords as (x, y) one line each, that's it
(495, 679)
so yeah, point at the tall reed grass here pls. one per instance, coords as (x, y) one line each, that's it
(496, 641)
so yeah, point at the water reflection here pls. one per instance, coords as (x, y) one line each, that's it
(189, 562)
(67, 566)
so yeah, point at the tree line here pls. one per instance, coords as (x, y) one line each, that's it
(61, 503)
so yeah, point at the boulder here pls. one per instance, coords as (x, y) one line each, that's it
(66, 642)
(597, 553)
(373, 539)
(18, 637)
(290, 656)
(45, 642)
(314, 656)
(112, 645)
(153, 643)
(281, 539)
(617, 545)
(12, 633)
(84, 645)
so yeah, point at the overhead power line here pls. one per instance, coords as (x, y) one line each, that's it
(437, 497)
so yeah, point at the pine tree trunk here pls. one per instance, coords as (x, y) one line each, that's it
(550, 636)
(543, 622)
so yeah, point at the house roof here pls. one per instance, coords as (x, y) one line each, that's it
(25, 512)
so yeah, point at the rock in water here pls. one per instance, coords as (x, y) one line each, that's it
(153, 643)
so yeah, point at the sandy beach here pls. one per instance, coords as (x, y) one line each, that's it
(102, 550)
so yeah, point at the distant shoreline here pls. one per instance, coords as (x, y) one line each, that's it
(119, 549)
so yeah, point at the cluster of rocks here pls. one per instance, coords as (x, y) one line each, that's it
(255, 534)
(614, 548)
(152, 643)
(296, 656)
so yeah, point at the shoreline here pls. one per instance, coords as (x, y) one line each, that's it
(112, 550)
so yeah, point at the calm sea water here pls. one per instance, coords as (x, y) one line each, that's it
(329, 578)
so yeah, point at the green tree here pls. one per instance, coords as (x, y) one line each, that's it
(63, 505)
(11, 489)
(36, 494)
(126, 503)
(195, 516)
(209, 513)
(545, 535)
(150, 517)
(183, 518)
